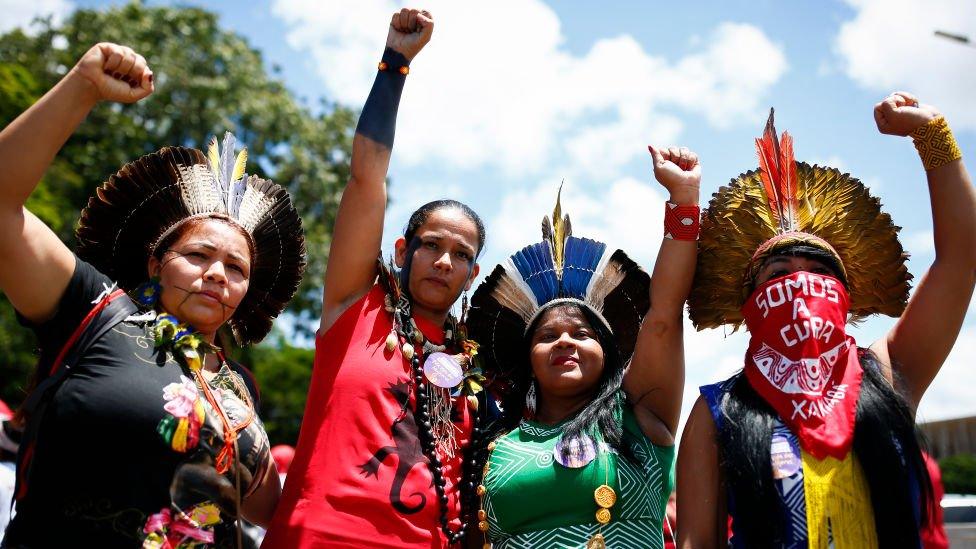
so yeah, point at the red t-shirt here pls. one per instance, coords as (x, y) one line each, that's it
(359, 477)
(934, 534)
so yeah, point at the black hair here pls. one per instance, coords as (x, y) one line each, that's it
(421, 214)
(419, 217)
(811, 252)
(885, 442)
(598, 414)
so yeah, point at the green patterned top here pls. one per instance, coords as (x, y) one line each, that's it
(532, 501)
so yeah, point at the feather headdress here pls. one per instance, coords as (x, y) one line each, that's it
(149, 198)
(560, 269)
(787, 203)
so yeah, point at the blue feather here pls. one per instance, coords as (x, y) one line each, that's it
(581, 258)
(535, 265)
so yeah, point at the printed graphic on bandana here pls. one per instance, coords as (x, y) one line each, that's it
(801, 361)
(807, 375)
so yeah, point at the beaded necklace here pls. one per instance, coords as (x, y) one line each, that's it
(188, 348)
(432, 414)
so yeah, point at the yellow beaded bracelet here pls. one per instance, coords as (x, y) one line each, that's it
(935, 143)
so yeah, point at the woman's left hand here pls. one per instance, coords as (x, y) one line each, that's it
(678, 170)
(900, 114)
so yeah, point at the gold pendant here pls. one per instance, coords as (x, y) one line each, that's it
(605, 496)
(603, 515)
(596, 542)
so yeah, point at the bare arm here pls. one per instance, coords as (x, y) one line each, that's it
(922, 338)
(358, 231)
(35, 266)
(259, 507)
(655, 379)
(701, 505)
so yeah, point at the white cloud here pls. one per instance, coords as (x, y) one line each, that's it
(833, 162)
(940, 72)
(951, 394)
(626, 214)
(710, 356)
(920, 243)
(512, 96)
(18, 13)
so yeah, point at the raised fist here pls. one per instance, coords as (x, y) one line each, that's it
(678, 170)
(116, 73)
(900, 114)
(410, 30)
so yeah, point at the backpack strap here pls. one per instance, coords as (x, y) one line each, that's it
(108, 312)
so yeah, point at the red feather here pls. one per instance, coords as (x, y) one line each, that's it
(789, 197)
(778, 173)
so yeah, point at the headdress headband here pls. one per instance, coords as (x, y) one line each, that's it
(560, 269)
(149, 198)
(787, 203)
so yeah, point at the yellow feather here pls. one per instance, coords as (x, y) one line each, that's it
(239, 165)
(832, 206)
(213, 155)
(558, 233)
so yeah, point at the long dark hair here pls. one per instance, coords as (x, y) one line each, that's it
(598, 415)
(885, 442)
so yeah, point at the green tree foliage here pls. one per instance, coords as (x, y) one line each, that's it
(208, 80)
(959, 474)
(282, 371)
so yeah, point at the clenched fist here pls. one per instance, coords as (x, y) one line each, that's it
(678, 170)
(115, 73)
(900, 114)
(410, 30)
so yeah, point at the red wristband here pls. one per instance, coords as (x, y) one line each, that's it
(681, 222)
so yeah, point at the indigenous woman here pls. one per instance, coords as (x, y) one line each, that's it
(387, 437)
(592, 381)
(813, 443)
(138, 430)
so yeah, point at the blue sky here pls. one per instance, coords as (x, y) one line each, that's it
(511, 97)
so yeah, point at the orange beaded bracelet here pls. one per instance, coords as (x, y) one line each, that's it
(383, 66)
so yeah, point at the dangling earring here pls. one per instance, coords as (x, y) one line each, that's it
(530, 399)
(147, 294)
(464, 307)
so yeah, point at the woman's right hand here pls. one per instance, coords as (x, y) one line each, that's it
(901, 114)
(677, 169)
(114, 73)
(410, 30)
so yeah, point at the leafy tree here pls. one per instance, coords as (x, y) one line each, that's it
(959, 474)
(208, 80)
(282, 371)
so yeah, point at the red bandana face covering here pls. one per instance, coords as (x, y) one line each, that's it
(801, 361)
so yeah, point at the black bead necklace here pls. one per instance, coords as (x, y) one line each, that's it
(473, 456)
